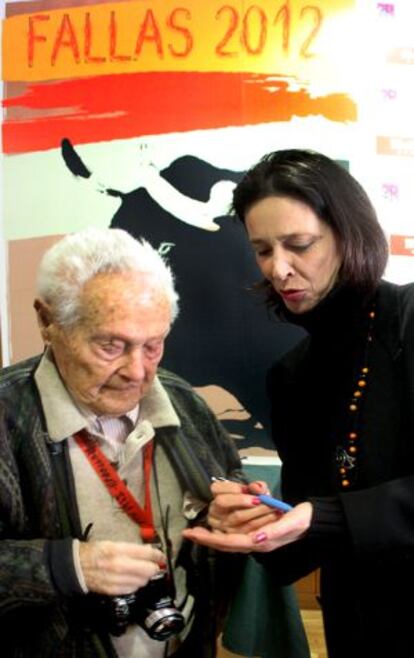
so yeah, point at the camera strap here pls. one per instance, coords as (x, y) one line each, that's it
(117, 487)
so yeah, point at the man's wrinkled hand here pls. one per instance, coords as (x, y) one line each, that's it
(115, 568)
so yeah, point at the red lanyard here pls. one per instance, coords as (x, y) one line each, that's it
(117, 487)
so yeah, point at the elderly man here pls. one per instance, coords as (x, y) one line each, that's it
(104, 460)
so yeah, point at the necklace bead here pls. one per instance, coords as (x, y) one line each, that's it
(346, 453)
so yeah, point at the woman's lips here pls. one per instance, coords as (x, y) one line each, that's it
(293, 295)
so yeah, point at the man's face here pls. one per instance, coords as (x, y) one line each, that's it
(109, 359)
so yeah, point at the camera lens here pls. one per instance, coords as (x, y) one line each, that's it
(155, 611)
(164, 623)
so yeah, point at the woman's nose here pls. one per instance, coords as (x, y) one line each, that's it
(281, 267)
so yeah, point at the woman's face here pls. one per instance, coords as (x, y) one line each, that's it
(296, 251)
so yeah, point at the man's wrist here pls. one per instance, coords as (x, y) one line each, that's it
(78, 566)
(59, 554)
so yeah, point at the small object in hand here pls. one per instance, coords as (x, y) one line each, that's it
(273, 502)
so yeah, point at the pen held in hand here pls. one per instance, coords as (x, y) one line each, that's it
(266, 500)
(273, 502)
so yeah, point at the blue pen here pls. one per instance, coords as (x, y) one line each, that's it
(266, 500)
(273, 502)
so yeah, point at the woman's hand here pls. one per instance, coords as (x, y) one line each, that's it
(287, 528)
(236, 508)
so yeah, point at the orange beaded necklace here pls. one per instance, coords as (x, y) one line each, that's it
(347, 453)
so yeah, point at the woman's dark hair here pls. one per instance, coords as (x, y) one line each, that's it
(334, 196)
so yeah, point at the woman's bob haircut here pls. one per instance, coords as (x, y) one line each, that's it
(335, 197)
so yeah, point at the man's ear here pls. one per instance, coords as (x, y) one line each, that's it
(44, 318)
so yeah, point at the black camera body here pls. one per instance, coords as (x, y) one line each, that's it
(151, 607)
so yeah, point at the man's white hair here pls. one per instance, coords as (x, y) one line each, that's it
(78, 257)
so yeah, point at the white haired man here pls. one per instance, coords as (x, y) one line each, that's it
(104, 459)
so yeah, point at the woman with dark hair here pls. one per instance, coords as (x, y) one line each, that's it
(342, 407)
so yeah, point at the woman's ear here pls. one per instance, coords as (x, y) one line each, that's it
(44, 319)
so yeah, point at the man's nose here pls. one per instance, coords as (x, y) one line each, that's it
(134, 368)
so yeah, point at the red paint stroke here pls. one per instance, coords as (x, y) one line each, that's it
(402, 245)
(129, 105)
(400, 146)
(402, 55)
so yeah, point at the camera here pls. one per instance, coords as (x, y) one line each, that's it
(151, 607)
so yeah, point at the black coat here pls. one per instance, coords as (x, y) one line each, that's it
(362, 538)
(39, 518)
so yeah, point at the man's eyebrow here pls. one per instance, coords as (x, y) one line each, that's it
(126, 339)
(109, 337)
